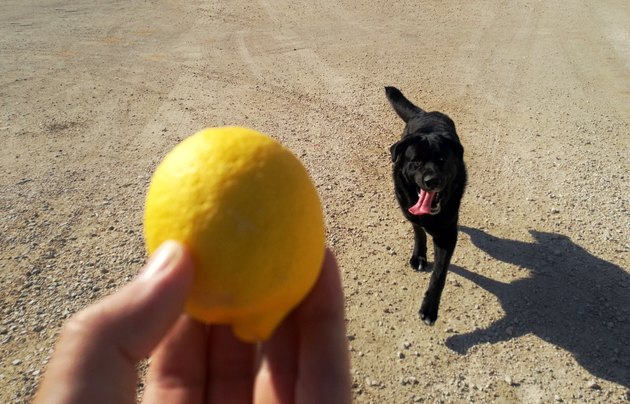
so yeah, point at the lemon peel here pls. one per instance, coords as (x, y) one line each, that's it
(247, 210)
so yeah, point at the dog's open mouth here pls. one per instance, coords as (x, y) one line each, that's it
(428, 203)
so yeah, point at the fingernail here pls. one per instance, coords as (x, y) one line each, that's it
(162, 260)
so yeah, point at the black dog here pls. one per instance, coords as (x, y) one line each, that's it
(429, 179)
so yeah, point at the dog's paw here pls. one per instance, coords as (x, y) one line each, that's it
(419, 264)
(428, 313)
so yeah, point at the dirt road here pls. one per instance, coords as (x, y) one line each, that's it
(537, 307)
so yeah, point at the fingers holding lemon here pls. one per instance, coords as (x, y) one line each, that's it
(250, 215)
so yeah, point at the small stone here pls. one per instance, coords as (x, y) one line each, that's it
(555, 211)
(16, 362)
(557, 398)
(509, 380)
(592, 384)
(406, 345)
(400, 355)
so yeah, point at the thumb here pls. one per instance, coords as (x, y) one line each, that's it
(99, 347)
(138, 316)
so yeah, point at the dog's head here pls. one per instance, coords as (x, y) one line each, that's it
(430, 162)
(428, 156)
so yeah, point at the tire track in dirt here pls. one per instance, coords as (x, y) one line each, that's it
(319, 71)
(605, 37)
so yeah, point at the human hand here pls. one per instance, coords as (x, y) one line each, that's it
(305, 360)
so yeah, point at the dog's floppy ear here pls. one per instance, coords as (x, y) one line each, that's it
(399, 147)
(403, 107)
(394, 150)
(457, 148)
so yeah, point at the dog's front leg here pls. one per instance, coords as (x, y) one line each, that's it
(418, 260)
(444, 245)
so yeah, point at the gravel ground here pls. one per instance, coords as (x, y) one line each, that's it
(537, 305)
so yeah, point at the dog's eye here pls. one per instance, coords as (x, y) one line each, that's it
(416, 158)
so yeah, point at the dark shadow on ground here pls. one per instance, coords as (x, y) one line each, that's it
(571, 299)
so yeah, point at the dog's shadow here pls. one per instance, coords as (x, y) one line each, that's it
(571, 299)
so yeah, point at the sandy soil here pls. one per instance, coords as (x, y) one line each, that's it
(537, 306)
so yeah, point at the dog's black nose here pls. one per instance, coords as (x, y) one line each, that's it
(431, 181)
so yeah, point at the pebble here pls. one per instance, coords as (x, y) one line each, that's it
(509, 380)
(557, 398)
(400, 355)
(592, 384)
(409, 380)
(16, 362)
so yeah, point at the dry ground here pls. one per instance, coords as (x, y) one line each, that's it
(537, 307)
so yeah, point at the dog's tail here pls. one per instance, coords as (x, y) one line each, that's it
(403, 107)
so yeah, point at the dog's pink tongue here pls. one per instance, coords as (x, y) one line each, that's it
(423, 206)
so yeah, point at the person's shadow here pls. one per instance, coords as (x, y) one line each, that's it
(568, 297)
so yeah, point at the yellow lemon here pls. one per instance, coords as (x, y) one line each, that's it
(249, 213)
